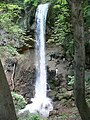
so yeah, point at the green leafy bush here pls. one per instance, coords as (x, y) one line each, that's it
(9, 17)
(33, 2)
(19, 101)
(8, 51)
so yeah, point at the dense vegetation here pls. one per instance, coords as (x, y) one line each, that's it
(17, 24)
(17, 19)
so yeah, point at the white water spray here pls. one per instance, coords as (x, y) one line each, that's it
(40, 103)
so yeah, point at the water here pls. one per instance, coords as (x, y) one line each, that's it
(41, 78)
(40, 103)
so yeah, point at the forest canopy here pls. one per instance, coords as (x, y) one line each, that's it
(17, 19)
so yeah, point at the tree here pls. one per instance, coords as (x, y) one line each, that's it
(78, 34)
(7, 110)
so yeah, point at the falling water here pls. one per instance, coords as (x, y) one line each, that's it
(41, 79)
(40, 103)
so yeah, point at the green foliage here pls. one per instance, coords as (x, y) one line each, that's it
(62, 27)
(34, 117)
(30, 117)
(64, 116)
(86, 15)
(9, 17)
(87, 79)
(11, 50)
(10, 13)
(71, 80)
(19, 101)
(33, 2)
(8, 50)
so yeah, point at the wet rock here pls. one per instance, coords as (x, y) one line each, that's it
(24, 83)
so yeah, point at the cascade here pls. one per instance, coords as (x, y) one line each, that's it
(40, 103)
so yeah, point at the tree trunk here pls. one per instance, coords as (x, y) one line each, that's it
(7, 110)
(78, 33)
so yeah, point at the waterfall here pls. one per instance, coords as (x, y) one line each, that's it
(40, 103)
(41, 78)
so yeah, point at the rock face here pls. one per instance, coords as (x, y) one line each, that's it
(24, 78)
(25, 75)
(24, 83)
(9, 67)
(25, 71)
